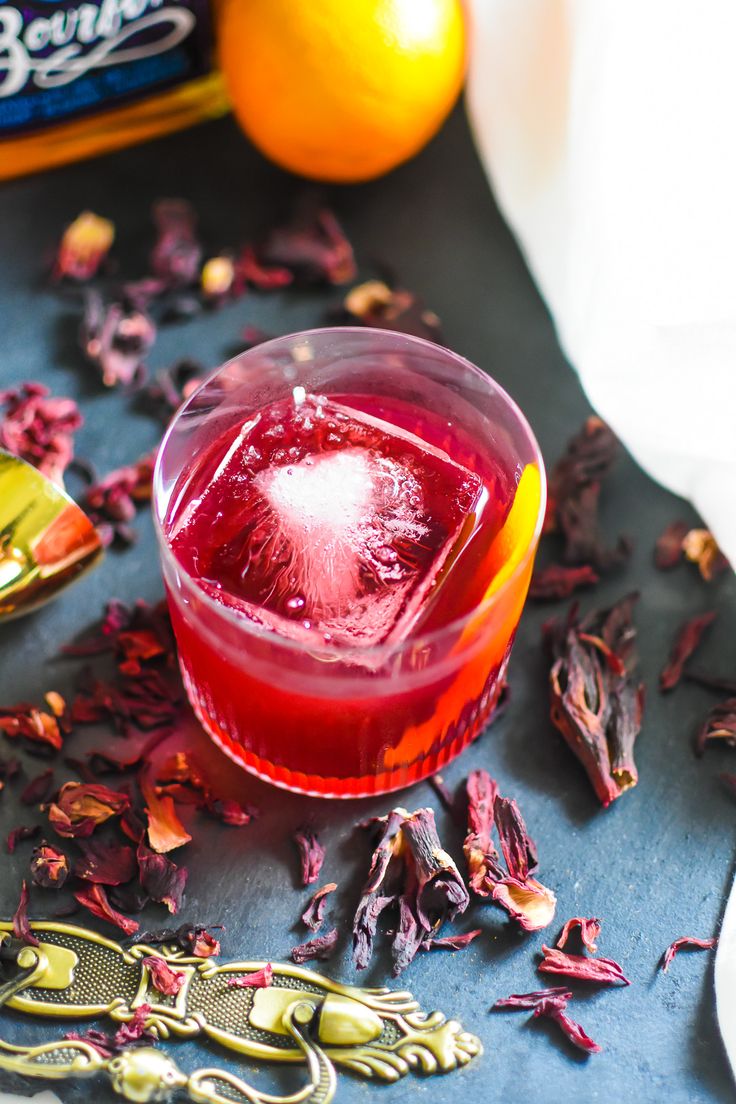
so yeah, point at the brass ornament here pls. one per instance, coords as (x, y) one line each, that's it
(46, 540)
(301, 1017)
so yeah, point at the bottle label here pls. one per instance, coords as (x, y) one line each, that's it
(61, 60)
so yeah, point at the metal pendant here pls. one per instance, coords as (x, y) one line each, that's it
(301, 1017)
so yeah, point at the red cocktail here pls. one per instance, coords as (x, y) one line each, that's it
(348, 522)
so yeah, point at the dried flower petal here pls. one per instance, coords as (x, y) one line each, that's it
(81, 806)
(480, 852)
(313, 916)
(556, 994)
(701, 548)
(115, 498)
(166, 980)
(84, 246)
(249, 270)
(94, 898)
(686, 642)
(557, 581)
(165, 830)
(719, 726)
(313, 248)
(320, 948)
(574, 1031)
(38, 727)
(573, 493)
(135, 1030)
(105, 863)
(375, 304)
(596, 698)
(171, 387)
(450, 942)
(49, 867)
(22, 832)
(668, 549)
(551, 1003)
(689, 942)
(21, 923)
(162, 879)
(39, 789)
(229, 811)
(98, 1040)
(311, 855)
(177, 254)
(590, 929)
(602, 971)
(115, 338)
(39, 429)
(259, 979)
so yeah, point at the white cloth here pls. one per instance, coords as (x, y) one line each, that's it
(606, 130)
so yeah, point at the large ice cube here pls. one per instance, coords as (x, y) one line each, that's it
(320, 518)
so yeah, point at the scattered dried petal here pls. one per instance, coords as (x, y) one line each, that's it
(574, 1031)
(311, 855)
(259, 979)
(719, 726)
(165, 830)
(557, 581)
(49, 867)
(114, 500)
(450, 942)
(375, 304)
(171, 387)
(313, 916)
(689, 942)
(38, 727)
(135, 1030)
(551, 1003)
(115, 338)
(573, 493)
(558, 994)
(313, 248)
(701, 548)
(105, 863)
(166, 980)
(250, 271)
(320, 948)
(480, 852)
(596, 697)
(590, 929)
(81, 806)
(39, 429)
(161, 879)
(21, 923)
(686, 642)
(229, 811)
(668, 549)
(22, 832)
(177, 254)
(601, 971)
(39, 789)
(84, 245)
(94, 898)
(192, 938)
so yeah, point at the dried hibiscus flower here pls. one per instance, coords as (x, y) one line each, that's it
(313, 248)
(136, 1030)
(165, 830)
(530, 903)
(411, 870)
(552, 1004)
(573, 494)
(689, 942)
(49, 867)
(171, 387)
(601, 971)
(84, 246)
(39, 789)
(166, 980)
(668, 549)
(192, 938)
(718, 727)
(700, 547)
(375, 304)
(686, 642)
(161, 879)
(556, 581)
(81, 806)
(39, 428)
(112, 502)
(596, 697)
(95, 899)
(108, 864)
(259, 979)
(177, 253)
(248, 270)
(37, 726)
(311, 855)
(451, 942)
(115, 337)
(589, 927)
(21, 924)
(320, 948)
(313, 916)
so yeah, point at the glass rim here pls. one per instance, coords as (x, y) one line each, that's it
(320, 649)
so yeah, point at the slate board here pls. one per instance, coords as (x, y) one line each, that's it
(654, 866)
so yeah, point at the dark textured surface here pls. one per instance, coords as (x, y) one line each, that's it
(655, 866)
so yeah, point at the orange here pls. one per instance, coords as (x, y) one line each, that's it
(341, 90)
